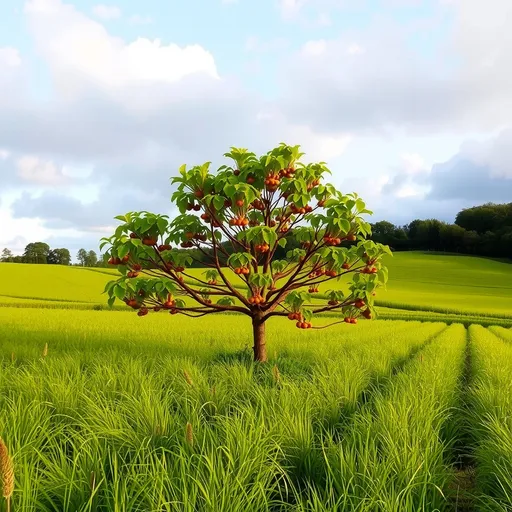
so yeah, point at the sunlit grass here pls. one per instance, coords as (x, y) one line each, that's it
(100, 422)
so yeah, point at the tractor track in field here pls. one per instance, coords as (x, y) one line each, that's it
(379, 383)
(461, 493)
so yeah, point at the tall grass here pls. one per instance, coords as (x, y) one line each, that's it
(491, 409)
(395, 456)
(136, 416)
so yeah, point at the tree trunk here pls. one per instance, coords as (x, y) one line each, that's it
(259, 348)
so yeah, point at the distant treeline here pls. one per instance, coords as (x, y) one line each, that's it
(40, 252)
(482, 231)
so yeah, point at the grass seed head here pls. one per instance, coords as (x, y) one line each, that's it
(188, 378)
(189, 434)
(276, 374)
(6, 471)
(45, 350)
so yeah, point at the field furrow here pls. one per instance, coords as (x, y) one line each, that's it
(393, 458)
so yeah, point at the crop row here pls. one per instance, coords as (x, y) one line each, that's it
(491, 415)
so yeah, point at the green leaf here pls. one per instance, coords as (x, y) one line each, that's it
(123, 250)
(120, 291)
(162, 225)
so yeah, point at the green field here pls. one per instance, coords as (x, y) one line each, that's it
(364, 417)
(466, 289)
(105, 411)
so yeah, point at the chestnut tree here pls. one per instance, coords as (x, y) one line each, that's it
(236, 219)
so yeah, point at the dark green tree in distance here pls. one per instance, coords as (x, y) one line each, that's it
(59, 257)
(81, 256)
(7, 256)
(36, 252)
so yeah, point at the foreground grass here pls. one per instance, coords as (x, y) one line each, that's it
(113, 417)
(394, 456)
(491, 412)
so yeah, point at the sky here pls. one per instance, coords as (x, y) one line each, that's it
(408, 101)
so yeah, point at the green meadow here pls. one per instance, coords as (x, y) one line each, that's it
(106, 411)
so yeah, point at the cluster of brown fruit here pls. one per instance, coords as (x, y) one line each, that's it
(195, 236)
(187, 245)
(239, 221)
(242, 270)
(333, 302)
(256, 299)
(132, 274)
(262, 247)
(169, 303)
(206, 217)
(331, 240)
(171, 266)
(258, 204)
(143, 311)
(192, 206)
(272, 182)
(317, 273)
(300, 209)
(369, 270)
(313, 184)
(350, 320)
(212, 282)
(118, 261)
(313, 289)
(132, 303)
(359, 303)
(300, 323)
(164, 247)
(287, 173)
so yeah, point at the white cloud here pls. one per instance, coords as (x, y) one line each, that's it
(4, 154)
(34, 170)
(81, 53)
(413, 163)
(106, 12)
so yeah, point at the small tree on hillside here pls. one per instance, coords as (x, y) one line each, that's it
(256, 206)
(7, 255)
(92, 259)
(81, 256)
